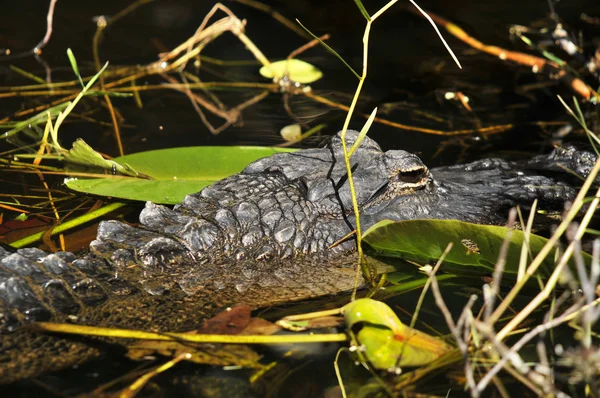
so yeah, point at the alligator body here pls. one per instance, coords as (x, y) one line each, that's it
(261, 237)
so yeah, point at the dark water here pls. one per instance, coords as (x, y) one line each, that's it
(409, 73)
(408, 67)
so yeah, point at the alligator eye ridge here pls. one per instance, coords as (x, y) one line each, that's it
(412, 176)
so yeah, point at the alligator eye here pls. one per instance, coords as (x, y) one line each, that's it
(412, 176)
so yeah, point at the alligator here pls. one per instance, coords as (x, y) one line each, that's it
(276, 232)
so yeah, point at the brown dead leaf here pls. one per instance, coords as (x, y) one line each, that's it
(231, 321)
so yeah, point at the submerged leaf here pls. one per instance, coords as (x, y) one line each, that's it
(230, 321)
(207, 354)
(297, 70)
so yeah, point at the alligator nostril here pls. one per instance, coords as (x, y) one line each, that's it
(412, 176)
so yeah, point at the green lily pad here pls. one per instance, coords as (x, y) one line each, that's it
(297, 70)
(475, 247)
(175, 172)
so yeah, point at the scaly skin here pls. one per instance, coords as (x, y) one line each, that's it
(260, 237)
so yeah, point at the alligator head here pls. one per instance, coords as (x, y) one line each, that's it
(297, 204)
(284, 206)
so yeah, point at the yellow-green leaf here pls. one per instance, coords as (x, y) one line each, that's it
(386, 342)
(84, 155)
(297, 70)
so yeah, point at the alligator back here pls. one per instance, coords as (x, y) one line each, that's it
(36, 286)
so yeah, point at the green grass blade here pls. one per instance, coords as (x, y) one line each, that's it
(331, 50)
(73, 62)
(363, 132)
(92, 215)
(40, 118)
(83, 330)
(27, 74)
(581, 118)
(72, 104)
(362, 9)
(99, 93)
(545, 53)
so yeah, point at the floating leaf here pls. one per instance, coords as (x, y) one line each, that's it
(176, 172)
(475, 247)
(297, 70)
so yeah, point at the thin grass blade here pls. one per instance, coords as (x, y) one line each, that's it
(363, 132)
(438, 33)
(581, 120)
(362, 9)
(74, 66)
(331, 50)
(35, 120)
(72, 104)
